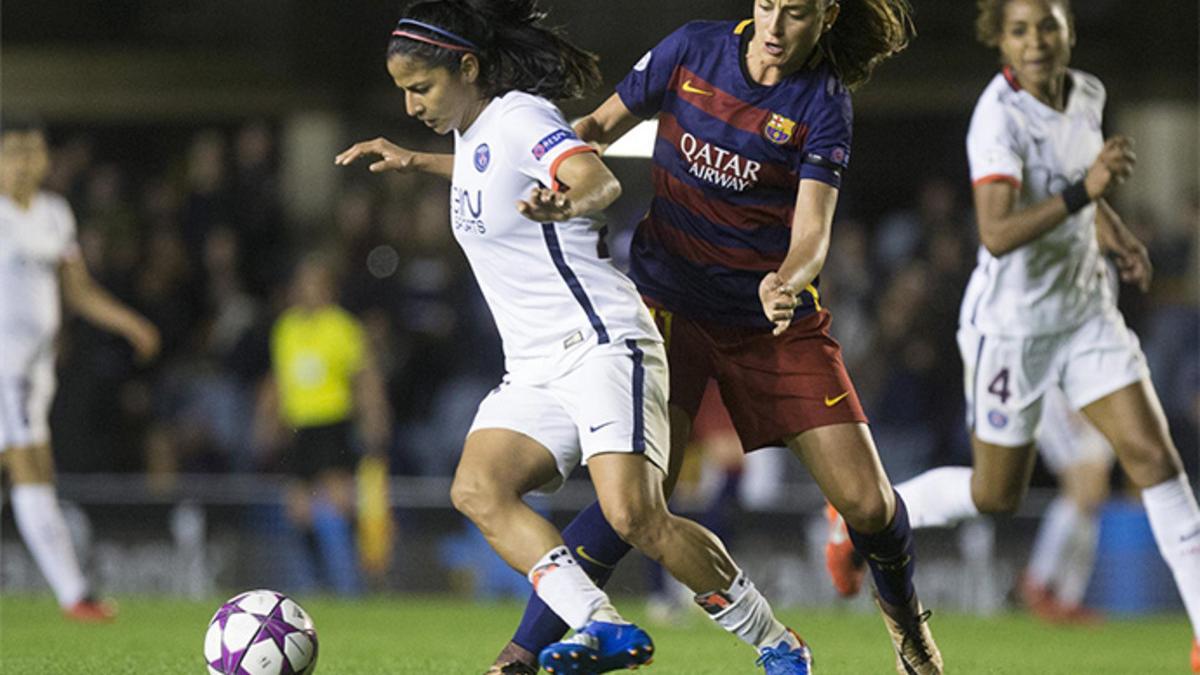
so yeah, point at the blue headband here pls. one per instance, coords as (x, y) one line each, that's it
(440, 31)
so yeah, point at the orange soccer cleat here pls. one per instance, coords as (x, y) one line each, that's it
(90, 610)
(846, 567)
(1196, 656)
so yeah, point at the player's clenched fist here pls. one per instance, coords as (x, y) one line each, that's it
(1112, 167)
(778, 301)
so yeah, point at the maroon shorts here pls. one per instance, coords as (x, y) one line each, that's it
(773, 386)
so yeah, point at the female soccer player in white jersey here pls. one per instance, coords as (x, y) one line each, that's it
(38, 256)
(586, 371)
(1038, 311)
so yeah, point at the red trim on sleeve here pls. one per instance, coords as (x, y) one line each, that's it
(559, 160)
(998, 178)
(1012, 78)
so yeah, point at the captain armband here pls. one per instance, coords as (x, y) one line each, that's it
(829, 165)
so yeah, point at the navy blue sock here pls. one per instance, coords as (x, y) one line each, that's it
(596, 546)
(890, 555)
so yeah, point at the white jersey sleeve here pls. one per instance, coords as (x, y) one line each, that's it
(993, 144)
(541, 141)
(68, 234)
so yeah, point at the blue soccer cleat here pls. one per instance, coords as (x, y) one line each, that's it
(599, 648)
(786, 658)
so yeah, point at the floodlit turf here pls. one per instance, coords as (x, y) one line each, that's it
(394, 635)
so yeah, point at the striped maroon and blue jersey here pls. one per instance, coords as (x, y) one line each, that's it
(728, 160)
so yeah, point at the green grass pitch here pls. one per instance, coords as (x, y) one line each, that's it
(426, 635)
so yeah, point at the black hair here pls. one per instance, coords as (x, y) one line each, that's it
(515, 50)
(21, 121)
(865, 34)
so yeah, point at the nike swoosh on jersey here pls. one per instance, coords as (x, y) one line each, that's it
(598, 427)
(830, 402)
(688, 88)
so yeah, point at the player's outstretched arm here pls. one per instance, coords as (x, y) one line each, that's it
(83, 295)
(1003, 227)
(604, 125)
(395, 158)
(1130, 254)
(585, 186)
(812, 225)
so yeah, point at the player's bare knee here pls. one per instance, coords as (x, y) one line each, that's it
(474, 498)
(1148, 462)
(868, 513)
(997, 502)
(638, 525)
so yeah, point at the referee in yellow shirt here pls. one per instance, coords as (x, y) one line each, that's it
(324, 385)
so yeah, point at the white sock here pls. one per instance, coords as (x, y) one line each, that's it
(1053, 537)
(40, 520)
(567, 590)
(743, 611)
(939, 497)
(1079, 561)
(1175, 520)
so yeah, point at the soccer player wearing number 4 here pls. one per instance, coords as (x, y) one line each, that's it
(38, 256)
(1038, 311)
(586, 369)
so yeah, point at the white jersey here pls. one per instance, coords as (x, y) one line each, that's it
(33, 243)
(551, 287)
(1057, 281)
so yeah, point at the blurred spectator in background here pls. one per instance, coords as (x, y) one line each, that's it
(38, 257)
(902, 234)
(323, 378)
(255, 210)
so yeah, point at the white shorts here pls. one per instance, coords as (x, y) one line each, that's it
(1006, 377)
(25, 405)
(1066, 438)
(615, 400)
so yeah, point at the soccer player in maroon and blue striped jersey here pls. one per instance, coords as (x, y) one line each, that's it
(754, 136)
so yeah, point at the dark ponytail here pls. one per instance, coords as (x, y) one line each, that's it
(866, 33)
(515, 51)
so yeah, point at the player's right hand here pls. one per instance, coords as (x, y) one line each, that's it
(1112, 167)
(778, 302)
(392, 157)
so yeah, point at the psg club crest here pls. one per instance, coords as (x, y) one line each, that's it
(483, 157)
(997, 419)
(779, 129)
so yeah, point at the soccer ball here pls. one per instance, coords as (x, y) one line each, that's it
(260, 633)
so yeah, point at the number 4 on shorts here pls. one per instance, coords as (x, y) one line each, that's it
(999, 386)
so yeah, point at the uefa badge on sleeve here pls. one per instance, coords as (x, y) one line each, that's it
(483, 157)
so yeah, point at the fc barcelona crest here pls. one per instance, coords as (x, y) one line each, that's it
(779, 129)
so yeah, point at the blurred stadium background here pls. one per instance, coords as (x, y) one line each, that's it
(195, 142)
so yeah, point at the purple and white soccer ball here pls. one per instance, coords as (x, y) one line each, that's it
(260, 633)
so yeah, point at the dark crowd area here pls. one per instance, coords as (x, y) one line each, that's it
(196, 237)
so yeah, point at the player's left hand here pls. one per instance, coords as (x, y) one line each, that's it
(546, 206)
(1133, 264)
(145, 340)
(778, 301)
